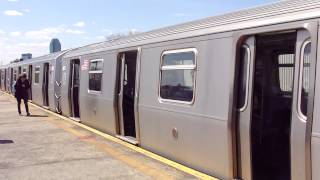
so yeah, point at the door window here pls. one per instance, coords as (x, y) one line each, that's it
(244, 76)
(305, 79)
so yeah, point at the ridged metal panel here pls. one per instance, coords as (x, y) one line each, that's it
(263, 12)
(47, 57)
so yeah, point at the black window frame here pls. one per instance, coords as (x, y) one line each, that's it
(95, 71)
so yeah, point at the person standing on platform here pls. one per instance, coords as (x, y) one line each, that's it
(22, 87)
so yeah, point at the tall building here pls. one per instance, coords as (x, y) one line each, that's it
(26, 56)
(55, 45)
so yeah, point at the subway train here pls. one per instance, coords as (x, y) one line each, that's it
(234, 96)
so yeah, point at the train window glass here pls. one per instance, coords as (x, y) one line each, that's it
(304, 84)
(177, 81)
(286, 71)
(37, 75)
(24, 71)
(95, 75)
(185, 58)
(244, 68)
(15, 76)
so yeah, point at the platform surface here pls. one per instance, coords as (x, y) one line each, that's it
(44, 146)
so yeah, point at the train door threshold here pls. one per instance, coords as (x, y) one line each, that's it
(46, 107)
(128, 139)
(75, 119)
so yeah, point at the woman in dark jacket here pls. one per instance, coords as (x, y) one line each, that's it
(22, 87)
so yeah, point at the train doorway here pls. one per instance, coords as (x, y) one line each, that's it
(11, 81)
(45, 85)
(127, 93)
(1, 77)
(273, 86)
(5, 83)
(30, 80)
(74, 89)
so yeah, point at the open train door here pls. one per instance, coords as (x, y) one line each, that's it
(244, 103)
(30, 80)
(74, 89)
(127, 96)
(303, 102)
(275, 105)
(45, 85)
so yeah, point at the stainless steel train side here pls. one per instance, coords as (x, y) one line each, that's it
(203, 132)
(48, 70)
(234, 96)
(44, 78)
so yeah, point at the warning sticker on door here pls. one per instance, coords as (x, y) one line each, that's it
(85, 65)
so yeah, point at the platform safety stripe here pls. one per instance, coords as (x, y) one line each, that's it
(133, 147)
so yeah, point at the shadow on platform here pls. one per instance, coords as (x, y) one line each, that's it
(6, 142)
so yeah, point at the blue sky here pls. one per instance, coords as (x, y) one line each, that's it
(28, 25)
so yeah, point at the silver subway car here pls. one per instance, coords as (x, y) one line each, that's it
(234, 96)
(44, 74)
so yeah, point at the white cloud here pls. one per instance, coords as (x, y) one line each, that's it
(72, 31)
(13, 13)
(13, 44)
(31, 44)
(79, 24)
(15, 33)
(50, 32)
(27, 10)
(13, 0)
(44, 34)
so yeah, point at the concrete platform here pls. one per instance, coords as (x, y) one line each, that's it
(44, 146)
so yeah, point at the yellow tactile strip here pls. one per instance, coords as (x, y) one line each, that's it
(128, 145)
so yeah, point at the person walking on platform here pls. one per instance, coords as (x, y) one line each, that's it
(22, 87)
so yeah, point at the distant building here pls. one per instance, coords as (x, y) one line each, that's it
(26, 56)
(55, 46)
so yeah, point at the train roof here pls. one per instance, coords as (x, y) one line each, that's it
(284, 11)
(47, 57)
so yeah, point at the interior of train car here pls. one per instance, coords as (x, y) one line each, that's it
(272, 104)
(45, 84)
(271, 107)
(30, 77)
(74, 84)
(127, 64)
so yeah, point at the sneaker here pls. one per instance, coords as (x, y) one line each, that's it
(28, 114)
(20, 114)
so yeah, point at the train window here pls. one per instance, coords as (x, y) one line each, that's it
(24, 71)
(244, 68)
(15, 75)
(305, 76)
(95, 75)
(178, 75)
(286, 70)
(37, 75)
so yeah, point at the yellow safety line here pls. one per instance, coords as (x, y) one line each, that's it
(135, 148)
